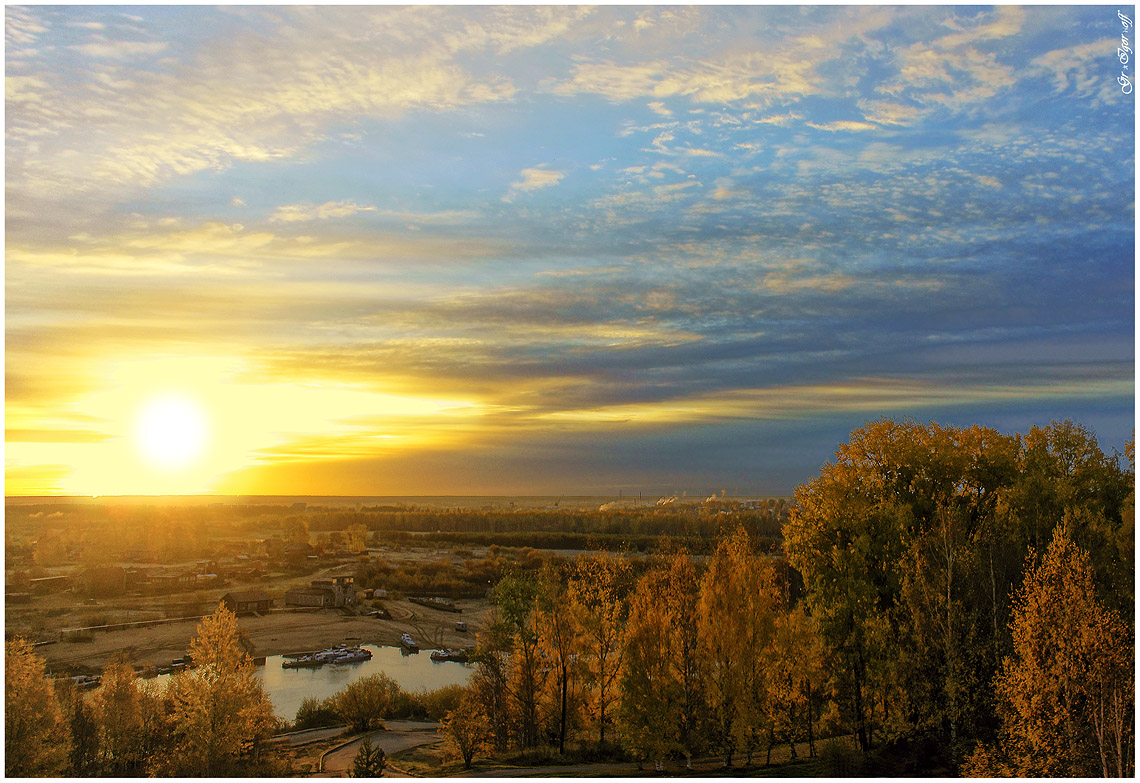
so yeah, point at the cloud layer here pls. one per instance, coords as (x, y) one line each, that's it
(525, 236)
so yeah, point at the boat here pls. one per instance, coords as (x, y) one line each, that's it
(458, 656)
(408, 643)
(305, 662)
(335, 655)
(353, 655)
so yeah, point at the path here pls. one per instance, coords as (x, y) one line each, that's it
(400, 735)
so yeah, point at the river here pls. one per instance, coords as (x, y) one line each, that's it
(287, 687)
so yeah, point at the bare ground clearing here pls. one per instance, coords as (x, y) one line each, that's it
(278, 633)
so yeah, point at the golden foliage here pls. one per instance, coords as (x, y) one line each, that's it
(37, 739)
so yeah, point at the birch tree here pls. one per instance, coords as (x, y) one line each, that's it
(220, 713)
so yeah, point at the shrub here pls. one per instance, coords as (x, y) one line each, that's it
(315, 713)
(364, 702)
(840, 760)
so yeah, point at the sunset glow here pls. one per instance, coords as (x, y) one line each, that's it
(536, 250)
(171, 432)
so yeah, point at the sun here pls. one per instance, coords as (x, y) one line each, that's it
(171, 431)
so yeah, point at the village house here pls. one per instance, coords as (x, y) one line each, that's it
(334, 592)
(248, 601)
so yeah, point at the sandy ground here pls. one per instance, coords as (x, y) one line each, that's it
(277, 633)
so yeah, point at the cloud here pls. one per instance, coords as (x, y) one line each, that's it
(22, 27)
(956, 71)
(890, 113)
(779, 119)
(534, 179)
(294, 213)
(841, 125)
(176, 248)
(121, 50)
(1009, 20)
(265, 91)
(1080, 68)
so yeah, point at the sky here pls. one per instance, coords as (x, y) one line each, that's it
(552, 250)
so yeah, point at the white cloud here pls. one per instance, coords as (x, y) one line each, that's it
(121, 50)
(891, 113)
(293, 213)
(534, 179)
(842, 125)
(780, 119)
(1080, 67)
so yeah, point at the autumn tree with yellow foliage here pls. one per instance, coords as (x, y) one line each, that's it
(598, 597)
(1066, 693)
(37, 738)
(910, 545)
(219, 712)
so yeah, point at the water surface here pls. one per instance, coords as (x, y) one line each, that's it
(287, 687)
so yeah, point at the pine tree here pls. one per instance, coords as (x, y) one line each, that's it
(368, 762)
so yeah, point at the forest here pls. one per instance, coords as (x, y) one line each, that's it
(950, 601)
(966, 608)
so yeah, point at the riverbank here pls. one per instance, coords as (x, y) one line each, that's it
(274, 634)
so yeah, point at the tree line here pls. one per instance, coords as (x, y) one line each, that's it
(211, 721)
(964, 591)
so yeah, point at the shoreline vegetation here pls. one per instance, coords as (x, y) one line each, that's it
(937, 601)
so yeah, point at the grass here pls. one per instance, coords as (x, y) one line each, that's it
(834, 758)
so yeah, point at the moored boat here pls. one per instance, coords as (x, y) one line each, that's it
(333, 655)
(458, 656)
(306, 662)
(408, 643)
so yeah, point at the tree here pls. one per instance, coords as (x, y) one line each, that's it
(295, 530)
(650, 704)
(597, 596)
(465, 729)
(795, 679)
(559, 648)
(908, 545)
(685, 658)
(736, 611)
(662, 708)
(37, 737)
(117, 707)
(356, 538)
(220, 713)
(489, 684)
(1066, 694)
(364, 702)
(368, 762)
(516, 596)
(84, 760)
